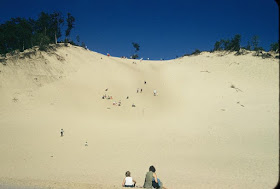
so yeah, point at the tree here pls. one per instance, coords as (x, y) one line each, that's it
(274, 47)
(56, 23)
(136, 46)
(70, 24)
(234, 44)
(41, 40)
(255, 42)
(135, 56)
(78, 39)
(43, 24)
(15, 34)
(248, 47)
(83, 45)
(20, 33)
(225, 44)
(217, 46)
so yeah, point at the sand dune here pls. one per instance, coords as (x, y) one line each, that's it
(213, 124)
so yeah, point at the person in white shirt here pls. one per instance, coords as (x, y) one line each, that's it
(155, 92)
(128, 181)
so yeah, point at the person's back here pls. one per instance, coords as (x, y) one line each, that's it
(148, 180)
(128, 181)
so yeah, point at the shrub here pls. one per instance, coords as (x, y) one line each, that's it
(274, 47)
(83, 45)
(266, 55)
(234, 44)
(217, 46)
(135, 56)
(196, 52)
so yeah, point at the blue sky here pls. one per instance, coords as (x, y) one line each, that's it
(163, 28)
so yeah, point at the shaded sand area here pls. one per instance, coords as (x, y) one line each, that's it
(213, 123)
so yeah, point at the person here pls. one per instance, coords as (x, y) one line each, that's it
(141, 91)
(137, 90)
(145, 82)
(128, 181)
(61, 132)
(86, 144)
(127, 97)
(151, 180)
(155, 92)
(133, 105)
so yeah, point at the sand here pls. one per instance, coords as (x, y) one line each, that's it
(213, 123)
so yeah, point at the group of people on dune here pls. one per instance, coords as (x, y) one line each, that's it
(151, 180)
(119, 103)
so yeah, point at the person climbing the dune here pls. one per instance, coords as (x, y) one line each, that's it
(61, 132)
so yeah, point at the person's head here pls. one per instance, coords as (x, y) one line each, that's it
(127, 174)
(152, 168)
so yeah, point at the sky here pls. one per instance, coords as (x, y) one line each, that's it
(164, 29)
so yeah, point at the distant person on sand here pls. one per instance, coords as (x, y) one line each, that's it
(145, 82)
(61, 132)
(155, 92)
(128, 181)
(151, 180)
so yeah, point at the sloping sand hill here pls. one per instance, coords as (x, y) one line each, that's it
(213, 123)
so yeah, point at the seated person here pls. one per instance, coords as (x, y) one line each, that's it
(151, 180)
(128, 181)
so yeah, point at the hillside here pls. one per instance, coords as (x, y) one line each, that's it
(213, 123)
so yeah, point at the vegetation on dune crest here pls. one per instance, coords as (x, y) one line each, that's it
(196, 52)
(18, 34)
(274, 47)
(21, 33)
(137, 48)
(228, 45)
(253, 44)
(70, 25)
